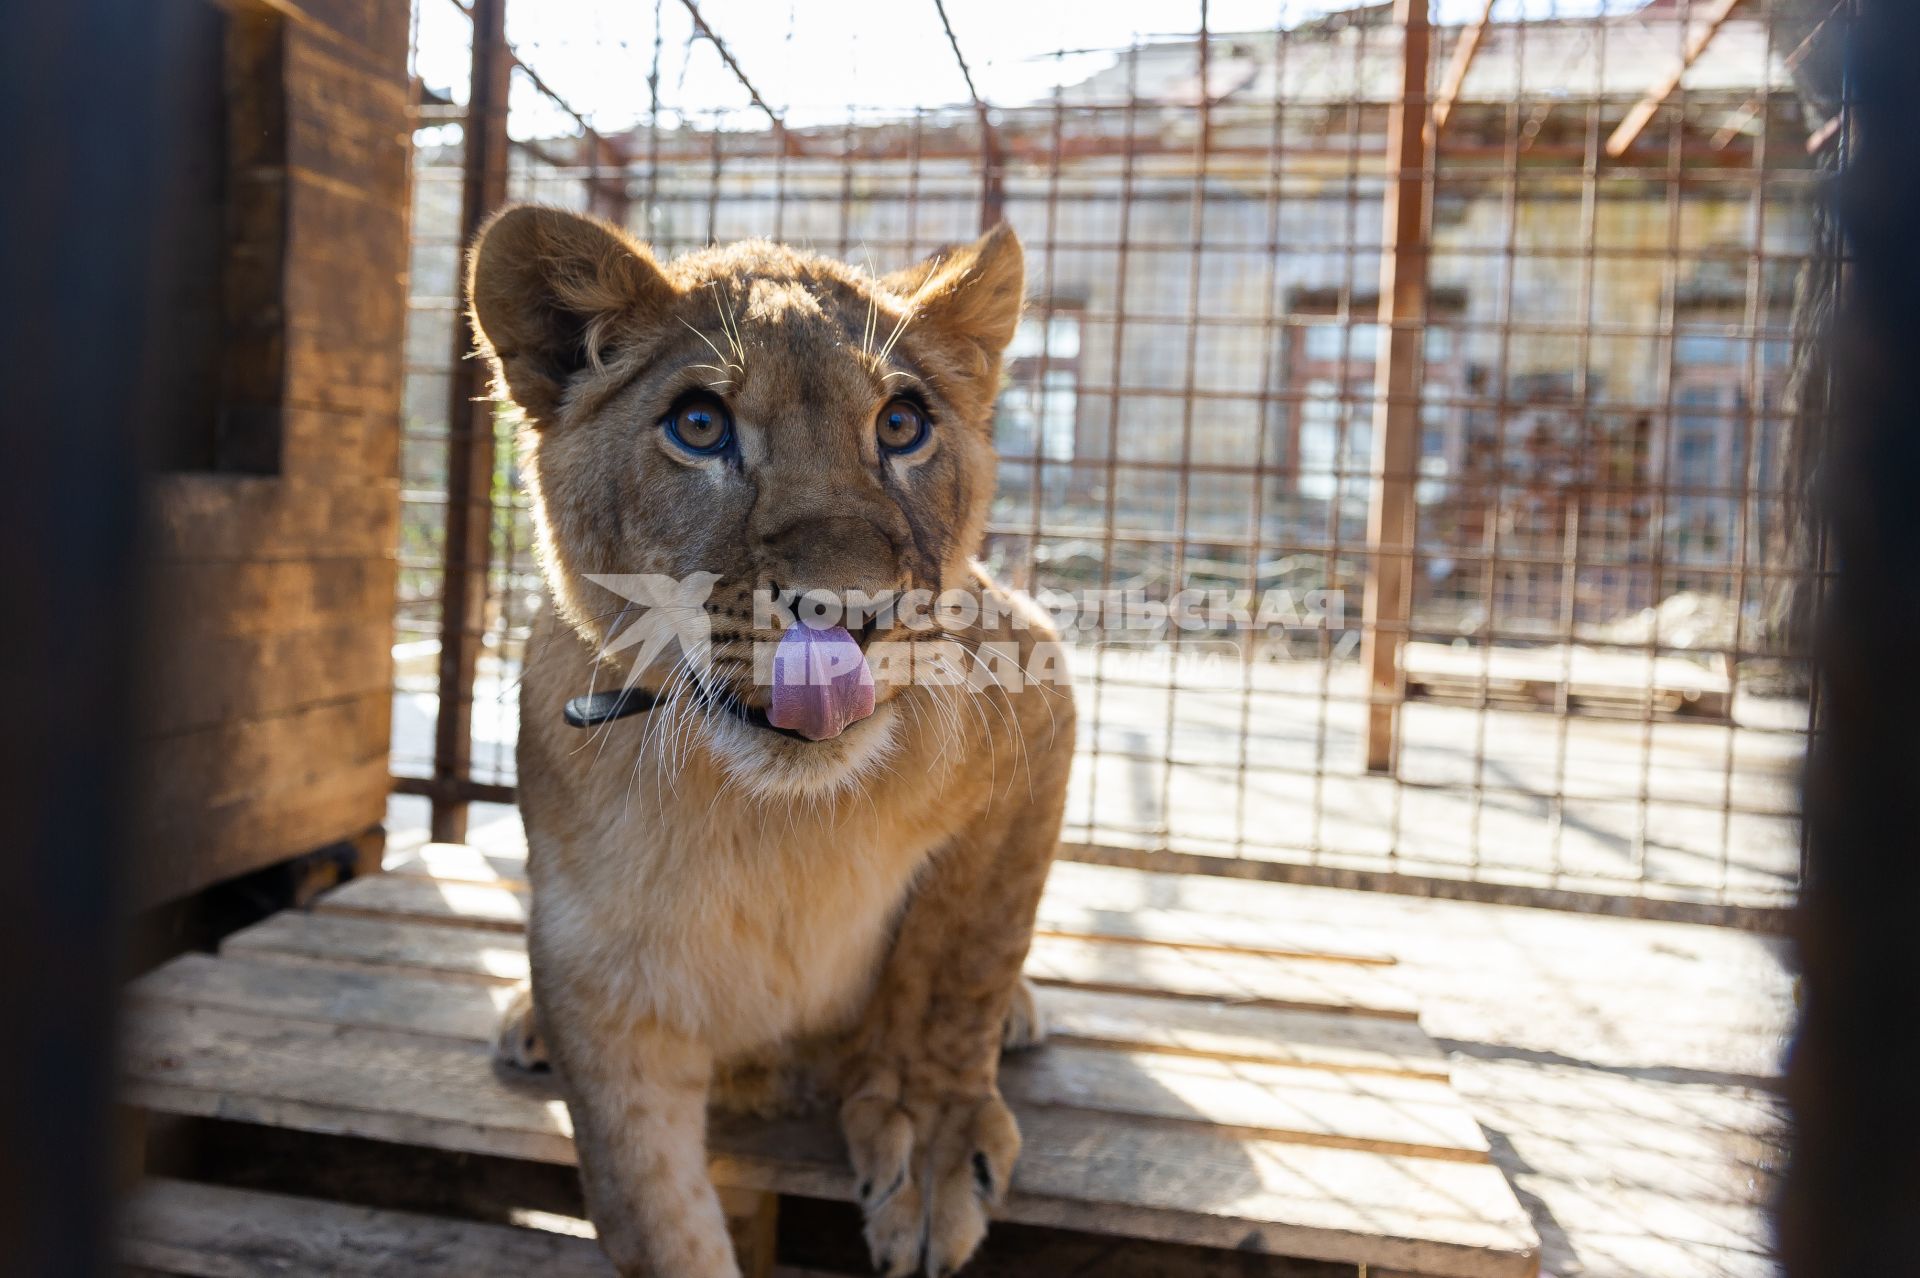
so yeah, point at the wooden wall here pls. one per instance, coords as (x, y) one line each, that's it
(267, 665)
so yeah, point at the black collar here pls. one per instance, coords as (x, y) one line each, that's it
(595, 708)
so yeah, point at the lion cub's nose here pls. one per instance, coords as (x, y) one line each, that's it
(837, 553)
(821, 682)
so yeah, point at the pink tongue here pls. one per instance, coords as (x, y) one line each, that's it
(820, 682)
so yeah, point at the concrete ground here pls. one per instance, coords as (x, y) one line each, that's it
(1625, 1071)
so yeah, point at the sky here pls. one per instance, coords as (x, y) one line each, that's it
(813, 60)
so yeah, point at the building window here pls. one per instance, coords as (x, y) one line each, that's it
(1039, 411)
(1359, 343)
(1691, 350)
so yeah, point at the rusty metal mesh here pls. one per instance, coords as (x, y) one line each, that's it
(1596, 686)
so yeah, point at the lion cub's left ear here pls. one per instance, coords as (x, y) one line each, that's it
(549, 288)
(971, 294)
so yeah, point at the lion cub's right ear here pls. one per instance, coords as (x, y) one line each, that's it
(551, 292)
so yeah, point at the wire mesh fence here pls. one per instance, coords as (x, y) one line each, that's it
(1493, 584)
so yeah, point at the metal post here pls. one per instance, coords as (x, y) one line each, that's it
(470, 444)
(1391, 518)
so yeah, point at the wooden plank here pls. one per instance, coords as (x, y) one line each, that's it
(208, 1231)
(1173, 1181)
(429, 900)
(343, 309)
(1641, 113)
(1193, 1027)
(344, 119)
(377, 999)
(182, 852)
(343, 290)
(1060, 913)
(339, 373)
(1417, 1117)
(1372, 1111)
(242, 597)
(217, 801)
(1093, 964)
(1330, 1040)
(224, 678)
(342, 446)
(227, 762)
(229, 517)
(1251, 979)
(466, 953)
(358, 242)
(378, 28)
(1187, 930)
(1184, 1183)
(753, 1219)
(1458, 66)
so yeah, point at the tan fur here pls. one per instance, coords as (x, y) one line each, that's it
(717, 908)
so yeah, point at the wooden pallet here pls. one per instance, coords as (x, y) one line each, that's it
(1208, 1081)
(1611, 682)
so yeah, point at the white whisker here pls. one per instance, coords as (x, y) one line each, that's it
(717, 353)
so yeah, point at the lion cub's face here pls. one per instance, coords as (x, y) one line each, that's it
(774, 420)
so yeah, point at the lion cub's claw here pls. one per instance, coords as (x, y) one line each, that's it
(518, 1043)
(1026, 1024)
(927, 1174)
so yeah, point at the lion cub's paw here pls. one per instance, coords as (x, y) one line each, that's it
(518, 1044)
(1026, 1020)
(927, 1172)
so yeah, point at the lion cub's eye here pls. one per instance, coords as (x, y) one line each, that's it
(902, 426)
(700, 424)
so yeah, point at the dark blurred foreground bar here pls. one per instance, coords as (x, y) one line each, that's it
(1852, 1194)
(79, 83)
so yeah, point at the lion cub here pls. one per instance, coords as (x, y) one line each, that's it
(801, 850)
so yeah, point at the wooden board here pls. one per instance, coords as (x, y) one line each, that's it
(246, 518)
(181, 851)
(1245, 979)
(214, 679)
(468, 953)
(1242, 1032)
(176, 1227)
(253, 756)
(237, 597)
